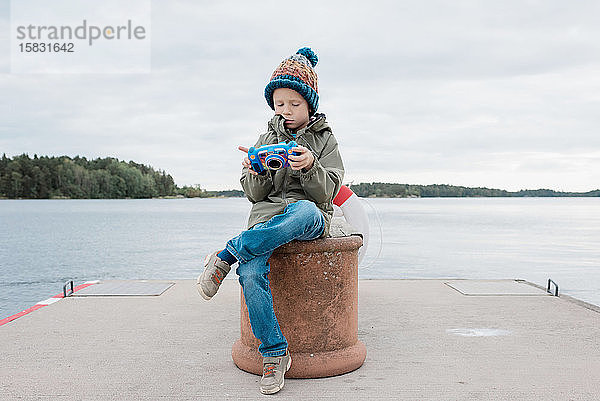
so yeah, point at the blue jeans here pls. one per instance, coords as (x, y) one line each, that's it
(301, 220)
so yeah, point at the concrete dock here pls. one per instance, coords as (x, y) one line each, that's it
(425, 339)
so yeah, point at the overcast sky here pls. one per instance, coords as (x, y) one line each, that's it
(499, 94)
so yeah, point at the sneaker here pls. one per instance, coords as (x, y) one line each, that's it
(211, 278)
(274, 368)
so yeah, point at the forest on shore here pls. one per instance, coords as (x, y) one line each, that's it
(387, 190)
(23, 177)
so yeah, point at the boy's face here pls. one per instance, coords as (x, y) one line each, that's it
(292, 106)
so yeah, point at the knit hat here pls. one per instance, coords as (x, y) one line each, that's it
(296, 72)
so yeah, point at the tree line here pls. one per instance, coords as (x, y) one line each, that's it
(79, 178)
(195, 191)
(388, 190)
(109, 178)
(23, 177)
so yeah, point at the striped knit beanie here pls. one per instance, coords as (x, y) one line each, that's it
(296, 72)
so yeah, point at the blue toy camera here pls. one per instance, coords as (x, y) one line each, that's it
(272, 157)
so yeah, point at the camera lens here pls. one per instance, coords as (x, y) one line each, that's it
(274, 164)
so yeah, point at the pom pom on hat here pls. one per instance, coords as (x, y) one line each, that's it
(296, 72)
(309, 54)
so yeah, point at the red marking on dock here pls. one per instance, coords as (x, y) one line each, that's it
(18, 315)
(39, 305)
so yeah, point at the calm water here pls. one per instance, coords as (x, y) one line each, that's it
(45, 243)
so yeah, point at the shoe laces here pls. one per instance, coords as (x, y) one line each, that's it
(217, 276)
(269, 369)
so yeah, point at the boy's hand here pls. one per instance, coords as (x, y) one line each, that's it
(304, 160)
(246, 161)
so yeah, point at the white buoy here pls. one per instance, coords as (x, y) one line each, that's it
(350, 206)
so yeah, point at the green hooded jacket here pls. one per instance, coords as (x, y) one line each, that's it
(272, 192)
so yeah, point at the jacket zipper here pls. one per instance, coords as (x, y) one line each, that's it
(285, 178)
(283, 193)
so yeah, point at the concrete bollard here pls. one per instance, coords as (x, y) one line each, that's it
(315, 295)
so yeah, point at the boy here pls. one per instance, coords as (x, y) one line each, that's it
(287, 204)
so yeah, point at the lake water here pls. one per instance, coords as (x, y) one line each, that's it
(44, 243)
